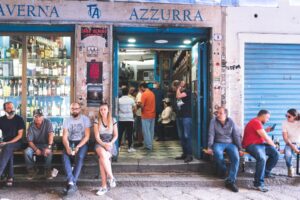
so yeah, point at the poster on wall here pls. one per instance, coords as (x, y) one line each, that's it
(94, 95)
(94, 72)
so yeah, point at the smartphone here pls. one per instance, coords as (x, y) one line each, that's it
(273, 127)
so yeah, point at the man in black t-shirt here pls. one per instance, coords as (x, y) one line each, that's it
(184, 116)
(12, 127)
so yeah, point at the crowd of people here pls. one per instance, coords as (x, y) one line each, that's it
(138, 116)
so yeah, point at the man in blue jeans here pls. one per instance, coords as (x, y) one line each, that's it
(40, 139)
(223, 136)
(76, 134)
(259, 145)
(184, 117)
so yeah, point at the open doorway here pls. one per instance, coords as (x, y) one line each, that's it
(158, 56)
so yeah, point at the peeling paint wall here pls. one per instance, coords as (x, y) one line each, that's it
(253, 24)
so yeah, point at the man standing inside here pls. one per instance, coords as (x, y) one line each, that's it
(40, 140)
(147, 105)
(259, 145)
(12, 127)
(76, 134)
(184, 116)
(126, 119)
(223, 136)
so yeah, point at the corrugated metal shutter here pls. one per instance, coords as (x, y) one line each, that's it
(272, 81)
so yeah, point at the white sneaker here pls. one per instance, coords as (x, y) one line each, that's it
(130, 150)
(291, 172)
(101, 191)
(112, 182)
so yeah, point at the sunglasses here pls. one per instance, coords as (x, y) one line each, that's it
(288, 116)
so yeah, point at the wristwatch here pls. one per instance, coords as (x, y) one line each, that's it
(49, 146)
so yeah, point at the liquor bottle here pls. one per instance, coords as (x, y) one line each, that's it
(33, 48)
(62, 88)
(46, 69)
(47, 52)
(16, 91)
(49, 108)
(30, 88)
(48, 88)
(60, 52)
(13, 53)
(44, 86)
(28, 108)
(20, 88)
(7, 53)
(6, 88)
(55, 70)
(42, 51)
(53, 88)
(35, 87)
(40, 87)
(50, 70)
(58, 89)
(65, 52)
(1, 89)
(12, 87)
(29, 46)
(55, 51)
(19, 49)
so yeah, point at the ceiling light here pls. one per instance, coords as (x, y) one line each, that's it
(131, 40)
(182, 46)
(131, 45)
(161, 41)
(187, 41)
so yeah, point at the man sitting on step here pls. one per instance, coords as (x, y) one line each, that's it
(223, 136)
(76, 134)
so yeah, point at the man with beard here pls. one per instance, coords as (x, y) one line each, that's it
(40, 140)
(76, 134)
(259, 145)
(12, 127)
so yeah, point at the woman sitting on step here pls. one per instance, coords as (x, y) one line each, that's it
(106, 133)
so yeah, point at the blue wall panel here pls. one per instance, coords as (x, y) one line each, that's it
(272, 81)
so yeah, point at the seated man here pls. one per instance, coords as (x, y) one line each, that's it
(40, 139)
(76, 134)
(223, 136)
(12, 127)
(259, 145)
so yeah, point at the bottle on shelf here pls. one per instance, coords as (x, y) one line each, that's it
(58, 88)
(12, 87)
(54, 70)
(44, 86)
(35, 87)
(62, 88)
(16, 90)
(48, 88)
(40, 87)
(49, 108)
(19, 49)
(1, 89)
(30, 88)
(13, 53)
(7, 53)
(53, 88)
(42, 51)
(46, 69)
(33, 48)
(65, 52)
(20, 87)
(6, 88)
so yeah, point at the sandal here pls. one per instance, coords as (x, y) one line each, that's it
(9, 182)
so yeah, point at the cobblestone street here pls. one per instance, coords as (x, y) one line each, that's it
(151, 193)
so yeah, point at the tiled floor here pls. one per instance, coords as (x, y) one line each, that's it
(162, 150)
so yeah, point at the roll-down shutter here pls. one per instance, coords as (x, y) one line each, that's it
(272, 81)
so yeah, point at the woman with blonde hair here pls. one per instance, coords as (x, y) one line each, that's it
(106, 133)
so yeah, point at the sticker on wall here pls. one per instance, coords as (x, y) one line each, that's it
(93, 32)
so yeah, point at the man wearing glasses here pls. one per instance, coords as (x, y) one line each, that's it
(40, 139)
(76, 134)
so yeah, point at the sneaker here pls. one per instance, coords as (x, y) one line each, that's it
(72, 189)
(188, 159)
(48, 174)
(291, 172)
(182, 157)
(130, 150)
(231, 186)
(112, 182)
(101, 191)
(261, 188)
(31, 174)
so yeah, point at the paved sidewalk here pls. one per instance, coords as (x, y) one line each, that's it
(155, 193)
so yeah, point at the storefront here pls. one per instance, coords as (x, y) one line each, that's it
(262, 62)
(54, 53)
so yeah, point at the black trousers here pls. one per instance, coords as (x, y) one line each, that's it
(126, 126)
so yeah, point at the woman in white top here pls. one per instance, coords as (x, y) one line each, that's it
(291, 136)
(165, 118)
(106, 133)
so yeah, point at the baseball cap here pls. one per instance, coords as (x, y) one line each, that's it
(38, 112)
